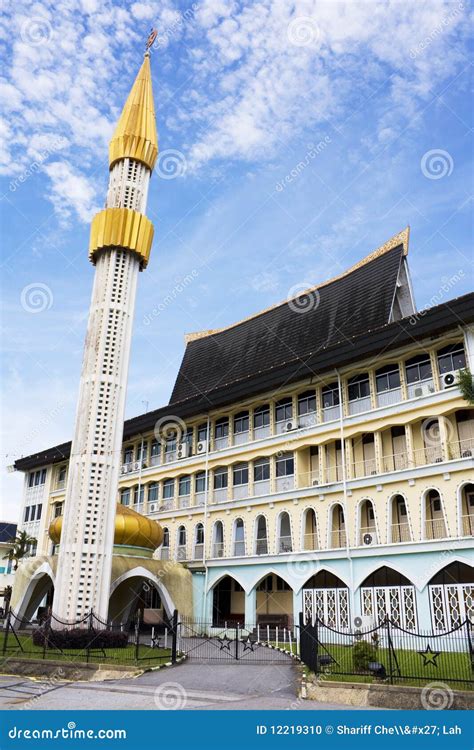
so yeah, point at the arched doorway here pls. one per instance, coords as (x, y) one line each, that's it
(228, 602)
(37, 599)
(451, 594)
(274, 602)
(326, 597)
(140, 590)
(388, 593)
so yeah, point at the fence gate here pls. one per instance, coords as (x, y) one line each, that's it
(233, 643)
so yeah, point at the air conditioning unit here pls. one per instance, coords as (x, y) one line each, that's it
(182, 450)
(292, 424)
(424, 389)
(124, 468)
(201, 447)
(136, 466)
(368, 539)
(448, 379)
(315, 482)
(363, 622)
(152, 507)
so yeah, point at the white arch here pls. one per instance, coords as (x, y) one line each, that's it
(303, 526)
(459, 490)
(330, 512)
(358, 514)
(319, 569)
(211, 585)
(390, 501)
(43, 570)
(141, 572)
(424, 497)
(255, 532)
(381, 563)
(260, 576)
(438, 564)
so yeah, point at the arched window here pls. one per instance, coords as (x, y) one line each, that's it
(337, 527)
(388, 593)
(451, 593)
(398, 520)
(284, 542)
(239, 538)
(125, 496)
(261, 536)
(435, 525)
(467, 510)
(165, 547)
(310, 531)
(181, 551)
(199, 542)
(367, 526)
(218, 540)
(326, 597)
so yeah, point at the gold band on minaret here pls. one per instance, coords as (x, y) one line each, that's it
(135, 135)
(124, 228)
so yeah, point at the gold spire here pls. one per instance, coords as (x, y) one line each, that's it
(135, 135)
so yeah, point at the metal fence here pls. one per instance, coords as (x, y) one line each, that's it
(89, 640)
(389, 653)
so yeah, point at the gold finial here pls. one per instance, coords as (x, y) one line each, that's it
(151, 38)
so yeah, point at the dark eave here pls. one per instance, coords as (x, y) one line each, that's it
(374, 343)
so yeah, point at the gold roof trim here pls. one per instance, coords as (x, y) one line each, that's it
(131, 529)
(124, 228)
(135, 136)
(402, 238)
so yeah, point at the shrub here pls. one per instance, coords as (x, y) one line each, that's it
(80, 638)
(363, 652)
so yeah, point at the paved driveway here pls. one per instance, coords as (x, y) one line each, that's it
(185, 686)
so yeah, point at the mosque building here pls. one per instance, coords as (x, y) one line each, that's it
(316, 457)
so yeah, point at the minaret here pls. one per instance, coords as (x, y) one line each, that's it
(120, 244)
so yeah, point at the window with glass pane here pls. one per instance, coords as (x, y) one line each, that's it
(170, 444)
(451, 358)
(58, 510)
(199, 534)
(387, 378)
(283, 409)
(181, 536)
(27, 514)
(285, 466)
(32, 512)
(220, 479)
(418, 368)
(187, 437)
(62, 474)
(166, 537)
(43, 476)
(330, 394)
(168, 489)
(200, 481)
(241, 474)
(306, 403)
(155, 448)
(221, 428)
(241, 422)
(128, 455)
(261, 416)
(153, 492)
(358, 387)
(125, 496)
(142, 452)
(138, 494)
(202, 432)
(185, 485)
(261, 470)
(37, 478)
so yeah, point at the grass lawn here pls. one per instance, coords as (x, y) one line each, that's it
(146, 656)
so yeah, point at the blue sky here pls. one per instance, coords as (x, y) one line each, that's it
(295, 139)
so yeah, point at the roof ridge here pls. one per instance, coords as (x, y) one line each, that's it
(401, 238)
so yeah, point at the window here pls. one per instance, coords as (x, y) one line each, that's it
(330, 394)
(306, 403)
(200, 481)
(43, 476)
(187, 437)
(220, 478)
(202, 432)
(128, 455)
(285, 465)
(58, 510)
(261, 416)
(166, 537)
(142, 452)
(155, 448)
(62, 474)
(39, 508)
(153, 492)
(138, 494)
(184, 485)
(239, 538)
(418, 368)
(261, 470)
(168, 489)
(284, 409)
(266, 584)
(181, 536)
(241, 474)
(125, 496)
(221, 428)
(31, 479)
(36, 478)
(199, 534)
(451, 358)
(358, 387)
(241, 422)
(170, 445)
(387, 378)
(27, 514)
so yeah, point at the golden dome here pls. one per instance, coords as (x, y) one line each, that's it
(131, 529)
(135, 135)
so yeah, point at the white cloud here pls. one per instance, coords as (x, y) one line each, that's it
(70, 190)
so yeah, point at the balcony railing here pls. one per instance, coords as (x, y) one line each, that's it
(358, 405)
(241, 437)
(338, 538)
(329, 413)
(261, 488)
(284, 544)
(467, 523)
(240, 491)
(221, 443)
(365, 468)
(282, 484)
(184, 501)
(400, 532)
(310, 540)
(435, 528)
(220, 495)
(421, 388)
(388, 398)
(261, 546)
(395, 462)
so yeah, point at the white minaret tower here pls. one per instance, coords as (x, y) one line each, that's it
(120, 244)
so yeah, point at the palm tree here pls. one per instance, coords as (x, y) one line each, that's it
(20, 549)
